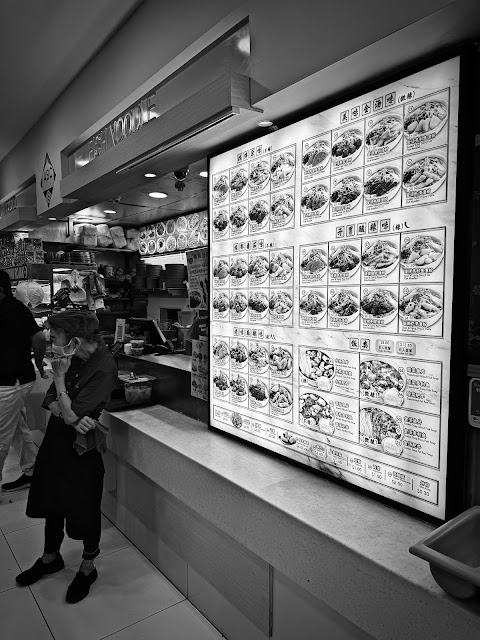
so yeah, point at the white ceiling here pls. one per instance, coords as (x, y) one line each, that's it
(44, 44)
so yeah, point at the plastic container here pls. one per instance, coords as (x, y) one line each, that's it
(138, 390)
(453, 551)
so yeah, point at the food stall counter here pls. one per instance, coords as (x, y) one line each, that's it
(345, 549)
(173, 360)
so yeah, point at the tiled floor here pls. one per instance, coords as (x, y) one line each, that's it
(131, 600)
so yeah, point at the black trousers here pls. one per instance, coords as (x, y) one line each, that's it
(55, 532)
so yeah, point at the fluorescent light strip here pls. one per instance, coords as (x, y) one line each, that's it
(163, 148)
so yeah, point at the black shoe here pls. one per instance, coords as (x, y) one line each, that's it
(21, 483)
(80, 586)
(39, 569)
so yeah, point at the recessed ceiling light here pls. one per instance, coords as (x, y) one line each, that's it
(203, 174)
(109, 211)
(264, 123)
(150, 175)
(158, 194)
(53, 219)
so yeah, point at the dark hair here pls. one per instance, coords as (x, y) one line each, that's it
(5, 283)
(75, 324)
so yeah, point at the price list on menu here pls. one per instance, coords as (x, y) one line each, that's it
(332, 274)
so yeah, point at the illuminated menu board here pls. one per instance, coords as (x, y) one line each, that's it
(332, 273)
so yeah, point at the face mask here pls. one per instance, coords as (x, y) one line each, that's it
(65, 351)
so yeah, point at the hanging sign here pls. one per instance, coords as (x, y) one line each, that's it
(47, 181)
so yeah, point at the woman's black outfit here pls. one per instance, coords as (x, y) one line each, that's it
(66, 487)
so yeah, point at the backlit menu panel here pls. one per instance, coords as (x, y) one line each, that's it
(332, 271)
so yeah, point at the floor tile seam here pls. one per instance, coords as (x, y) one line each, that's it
(104, 555)
(7, 533)
(11, 550)
(68, 566)
(41, 612)
(142, 619)
(2, 591)
(123, 534)
(162, 574)
(29, 526)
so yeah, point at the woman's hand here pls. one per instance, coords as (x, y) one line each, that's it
(85, 424)
(60, 366)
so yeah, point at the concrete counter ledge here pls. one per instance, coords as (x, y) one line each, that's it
(347, 550)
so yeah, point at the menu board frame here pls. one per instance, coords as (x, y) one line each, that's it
(453, 501)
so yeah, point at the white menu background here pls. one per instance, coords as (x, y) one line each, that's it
(332, 272)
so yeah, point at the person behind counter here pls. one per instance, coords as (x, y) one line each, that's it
(19, 334)
(197, 331)
(67, 481)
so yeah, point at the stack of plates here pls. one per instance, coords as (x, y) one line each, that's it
(153, 275)
(81, 257)
(175, 275)
(140, 282)
(141, 268)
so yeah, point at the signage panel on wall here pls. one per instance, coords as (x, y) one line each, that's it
(332, 273)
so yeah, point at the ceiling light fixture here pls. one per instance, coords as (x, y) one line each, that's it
(158, 194)
(264, 123)
(109, 211)
(203, 174)
(150, 175)
(53, 219)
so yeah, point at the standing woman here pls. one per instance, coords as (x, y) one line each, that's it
(67, 487)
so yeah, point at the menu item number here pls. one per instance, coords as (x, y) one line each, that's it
(282, 168)
(380, 255)
(385, 182)
(421, 304)
(421, 251)
(283, 208)
(317, 154)
(313, 303)
(429, 116)
(379, 429)
(281, 362)
(379, 303)
(316, 413)
(387, 131)
(314, 264)
(281, 267)
(344, 304)
(315, 199)
(347, 191)
(238, 182)
(238, 218)
(281, 398)
(344, 259)
(429, 172)
(349, 144)
(220, 353)
(220, 222)
(382, 381)
(220, 187)
(318, 368)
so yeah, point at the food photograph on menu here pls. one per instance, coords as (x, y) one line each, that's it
(332, 243)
